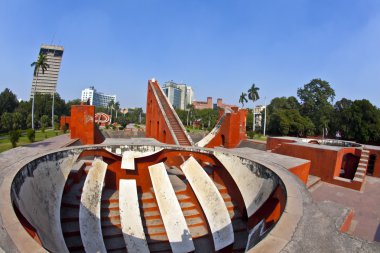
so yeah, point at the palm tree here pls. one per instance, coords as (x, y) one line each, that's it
(243, 98)
(111, 105)
(253, 94)
(190, 109)
(117, 107)
(38, 65)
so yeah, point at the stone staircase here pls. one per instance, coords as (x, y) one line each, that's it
(181, 136)
(362, 166)
(151, 218)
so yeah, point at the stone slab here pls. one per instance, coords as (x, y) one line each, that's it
(130, 217)
(174, 221)
(255, 190)
(211, 202)
(89, 211)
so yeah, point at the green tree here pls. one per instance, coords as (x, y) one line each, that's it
(14, 136)
(39, 65)
(290, 122)
(8, 101)
(31, 134)
(111, 105)
(342, 119)
(117, 108)
(365, 121)
(253, 94)
(44, 121)
(316, 97)
(7, 121)
(18, 121)
(243, 99)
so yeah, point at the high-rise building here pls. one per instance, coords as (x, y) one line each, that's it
(46, 83)
(179, 94)
(96, 98)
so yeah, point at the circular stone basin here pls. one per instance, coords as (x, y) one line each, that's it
(148, 198)
(336, 143)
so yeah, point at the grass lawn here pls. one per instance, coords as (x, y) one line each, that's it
(5, 144)
(259, 137)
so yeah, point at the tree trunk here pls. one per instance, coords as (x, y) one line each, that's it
(34, 94)
(52, 113)
(253, 119)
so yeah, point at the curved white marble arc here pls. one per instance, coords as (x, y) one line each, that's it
(89, 211)
(174, 221)
(212, 203)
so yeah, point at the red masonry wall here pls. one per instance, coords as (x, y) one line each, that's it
(156, 126)
(232, 131)
(82, 124)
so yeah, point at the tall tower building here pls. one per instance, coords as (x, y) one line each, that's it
(47, 83)
(179, 95)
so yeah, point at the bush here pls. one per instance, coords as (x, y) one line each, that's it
(64, 128)
(46, 136)
(31, 134)
(14, 136)
(56, 126)
(43, 129)
(250, 134)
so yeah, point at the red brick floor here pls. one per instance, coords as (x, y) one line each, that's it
(366, 204)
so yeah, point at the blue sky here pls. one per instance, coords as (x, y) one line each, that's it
(218, 47)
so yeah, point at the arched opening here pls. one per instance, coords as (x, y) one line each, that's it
(349, 165)
(371, 164)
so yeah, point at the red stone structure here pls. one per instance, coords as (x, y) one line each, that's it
(82, 124)
(344, 166)
(162, 122)
(231, 131)
(199, 105)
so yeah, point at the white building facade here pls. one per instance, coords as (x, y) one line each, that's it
(46, 83)
(180, 95)
(96, 98)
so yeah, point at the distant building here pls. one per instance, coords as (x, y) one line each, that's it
(258, 115)
(180, 95)
(199, 105)
(46, 83)
(96, 98)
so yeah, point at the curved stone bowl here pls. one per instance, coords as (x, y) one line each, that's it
(32, 209)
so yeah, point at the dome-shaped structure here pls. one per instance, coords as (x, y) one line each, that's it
(146, 199)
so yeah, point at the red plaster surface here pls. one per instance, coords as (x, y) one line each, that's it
(301, 171)
(325, 163)
(232, 131)
(82, 124)
(156, 126)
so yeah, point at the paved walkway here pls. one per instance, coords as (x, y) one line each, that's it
(366, 204)
(10, 158)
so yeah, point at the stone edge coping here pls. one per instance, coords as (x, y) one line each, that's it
(275, 241)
